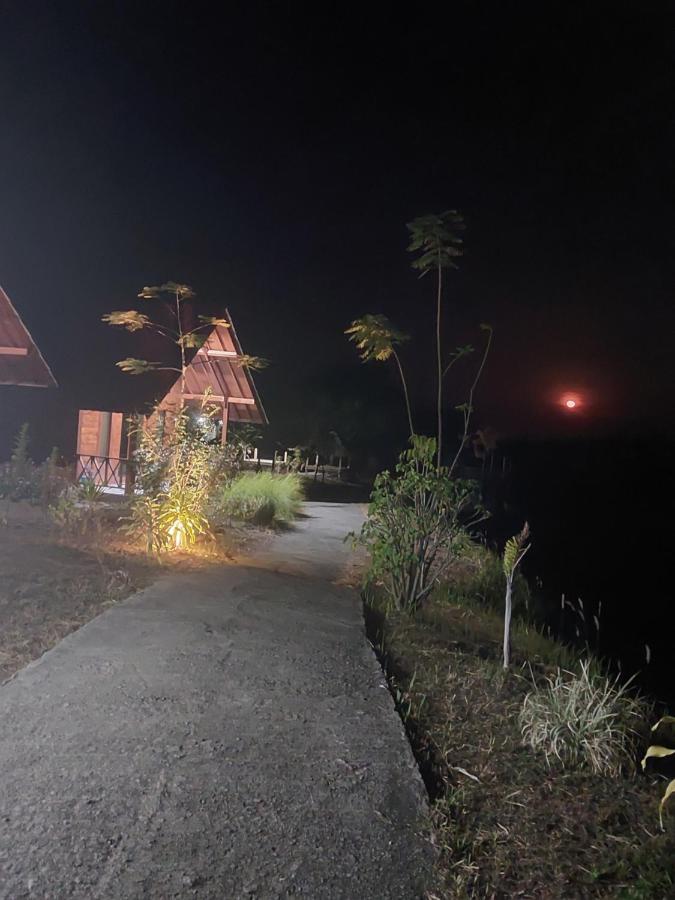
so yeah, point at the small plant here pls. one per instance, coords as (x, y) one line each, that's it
(657, 751)
(584, 719)
(74, 516)
(89, 490)
(515, 550)
(20, 459)
(262, 497)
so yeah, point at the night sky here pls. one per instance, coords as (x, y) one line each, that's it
(270, 156)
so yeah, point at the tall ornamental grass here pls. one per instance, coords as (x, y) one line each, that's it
(584, 720)
(262, 497)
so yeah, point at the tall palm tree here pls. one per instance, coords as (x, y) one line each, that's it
(377, 339)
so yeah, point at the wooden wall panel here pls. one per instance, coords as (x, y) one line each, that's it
(100, 433)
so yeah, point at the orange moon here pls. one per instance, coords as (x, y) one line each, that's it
(571, 402)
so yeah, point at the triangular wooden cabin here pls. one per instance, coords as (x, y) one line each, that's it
(21, 363)
(214, 377)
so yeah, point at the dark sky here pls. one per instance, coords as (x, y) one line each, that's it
(271, 155)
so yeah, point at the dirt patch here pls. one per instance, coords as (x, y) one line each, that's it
(52, 582)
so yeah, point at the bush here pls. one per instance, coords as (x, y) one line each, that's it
(416, 525)
(584, 720)
(22, 479)
(262, 497)
(176, 475)
(74, 514)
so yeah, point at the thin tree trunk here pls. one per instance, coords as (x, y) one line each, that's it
(439, 402)
(182, 353)
(405, 392)
(507, 624)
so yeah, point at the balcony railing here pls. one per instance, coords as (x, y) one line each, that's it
(104, 471)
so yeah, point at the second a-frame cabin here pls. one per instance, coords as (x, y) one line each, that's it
(21, 363)
(216, 377)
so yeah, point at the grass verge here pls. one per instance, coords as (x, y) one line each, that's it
(505, 821)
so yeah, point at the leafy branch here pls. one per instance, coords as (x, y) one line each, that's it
(185, 339)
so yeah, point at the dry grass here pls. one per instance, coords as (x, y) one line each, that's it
(507, 825)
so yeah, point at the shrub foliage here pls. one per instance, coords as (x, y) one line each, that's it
(416, 522)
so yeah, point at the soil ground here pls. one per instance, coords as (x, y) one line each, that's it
(52, 582)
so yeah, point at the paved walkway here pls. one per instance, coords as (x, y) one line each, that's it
(218, 735)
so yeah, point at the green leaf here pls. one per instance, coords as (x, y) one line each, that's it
(132, 366)
(375, 337)
(184, 291)
(254, 363)
(191, 340)
(656, 752)
(127, 318)
(664, 720)
(214, 320)
(515, 549)
(669, 792)
(436, 238)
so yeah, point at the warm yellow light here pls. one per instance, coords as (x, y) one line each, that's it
(177, 534)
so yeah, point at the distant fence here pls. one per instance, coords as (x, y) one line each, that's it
(288, 461)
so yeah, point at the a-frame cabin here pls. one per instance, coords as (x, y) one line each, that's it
(216, 376)
(21, 363)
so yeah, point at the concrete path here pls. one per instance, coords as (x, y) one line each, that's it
(219, 735)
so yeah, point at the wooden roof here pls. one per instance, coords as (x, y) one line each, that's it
(214, 369)
(21, 362)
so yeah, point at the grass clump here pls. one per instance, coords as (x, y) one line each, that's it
(262, 497)
(584, 720)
